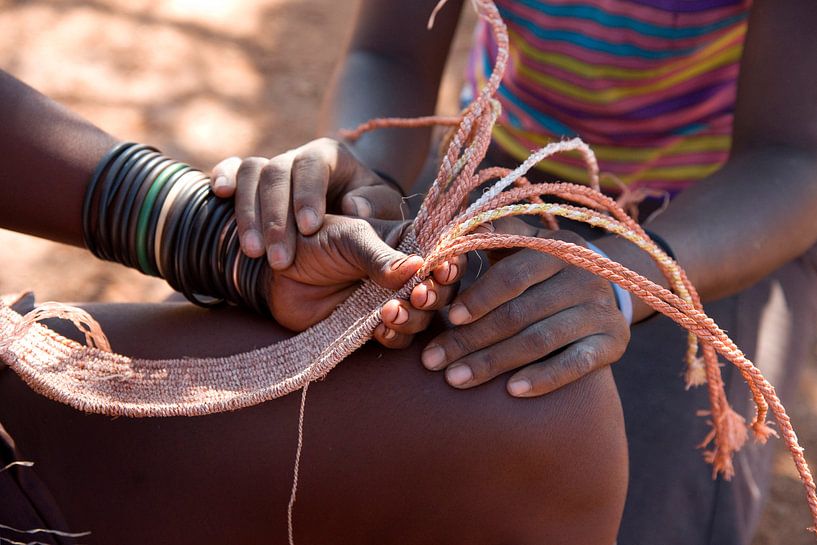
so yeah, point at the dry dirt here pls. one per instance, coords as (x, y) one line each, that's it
(203, 79)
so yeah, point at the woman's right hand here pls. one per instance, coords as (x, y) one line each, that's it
(277, 199)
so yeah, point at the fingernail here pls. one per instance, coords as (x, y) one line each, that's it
(399, 263)
(277, 255)
(459, 314)
(457, 375)
(402, 316)
(389, 334)
(252, 242)
(432, 357)
(453, 269)
(364, 209)
(519, 387)
(220, 181)
(431, 298)
(308, 219)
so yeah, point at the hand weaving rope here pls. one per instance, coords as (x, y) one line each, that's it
(92, 379)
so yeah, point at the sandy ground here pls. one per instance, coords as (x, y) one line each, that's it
(204, 79)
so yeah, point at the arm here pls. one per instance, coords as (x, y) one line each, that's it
(730, 230)
(757, 212)
(393, 67)
(48, 155)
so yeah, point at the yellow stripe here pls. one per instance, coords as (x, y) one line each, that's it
(681, 173)
(610, 96)
(601, 71)
(685, 144)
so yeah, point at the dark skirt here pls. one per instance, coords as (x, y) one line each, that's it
(672, 497)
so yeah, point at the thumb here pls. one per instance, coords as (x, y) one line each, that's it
(373, 201)
(385, 266)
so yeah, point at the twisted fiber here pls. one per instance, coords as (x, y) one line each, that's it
(94, 380)
(697, 368)
(400, 122)
(677, 309)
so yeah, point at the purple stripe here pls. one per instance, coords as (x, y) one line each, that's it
(687, 6)
(676, 103)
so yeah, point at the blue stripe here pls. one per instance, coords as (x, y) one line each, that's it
(610, 20)
(570, 37)
(550, 124)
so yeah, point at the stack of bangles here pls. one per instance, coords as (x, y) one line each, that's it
(159, 216)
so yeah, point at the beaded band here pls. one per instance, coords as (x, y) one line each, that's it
(157, 215)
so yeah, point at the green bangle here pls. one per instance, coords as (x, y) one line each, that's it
(144, 214)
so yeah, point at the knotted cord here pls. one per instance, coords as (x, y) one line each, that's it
(90, 378)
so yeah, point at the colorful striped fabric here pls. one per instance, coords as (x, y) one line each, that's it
(649, 84)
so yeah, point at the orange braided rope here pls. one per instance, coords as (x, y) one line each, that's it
(93, 379)
(443, 233)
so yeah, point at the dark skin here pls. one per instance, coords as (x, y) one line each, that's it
(392, 456)
(728, 231)
(43, 142)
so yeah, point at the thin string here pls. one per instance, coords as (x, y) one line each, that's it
(296, 469)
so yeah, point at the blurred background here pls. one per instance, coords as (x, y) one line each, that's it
(206, 79)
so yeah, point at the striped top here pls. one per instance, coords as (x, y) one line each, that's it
(649, 84)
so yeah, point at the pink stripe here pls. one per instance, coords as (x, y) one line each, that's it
(608, 34)
(651, 15)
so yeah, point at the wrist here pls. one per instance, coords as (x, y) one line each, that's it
(628, 254)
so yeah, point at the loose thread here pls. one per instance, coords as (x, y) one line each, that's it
(296, 470)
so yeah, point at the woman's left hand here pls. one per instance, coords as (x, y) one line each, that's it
(330, 265)
(533, 313)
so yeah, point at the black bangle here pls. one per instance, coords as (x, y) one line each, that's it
(661, 243)
(117, 236)
(391, 181)
(88, 226)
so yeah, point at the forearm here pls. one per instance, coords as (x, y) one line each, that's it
(391, 90)
(393, 68)
(49, 155)
(738, 225)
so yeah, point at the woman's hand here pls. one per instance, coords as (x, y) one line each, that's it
(533, 313)
(275, 199)
(330, 265)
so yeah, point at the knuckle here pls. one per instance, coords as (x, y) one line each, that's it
(274, 230)
(513, 313)
(488, 364)
(584, 359)
(460, 343)
(517, 279)
(534, 342)
(273, 171)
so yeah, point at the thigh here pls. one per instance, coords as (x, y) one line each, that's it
(673, 498)
(391, 453)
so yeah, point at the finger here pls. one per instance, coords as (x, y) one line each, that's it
(383, 264)
(247, 213)
(576, 361)
(538, 303)
(429, 295)
(277, 220)
(531, 344)
(502, 282)
(310, 179)
(223, 177)
(374, 201)
(390, 338)
(402, 318)
(450, 272)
